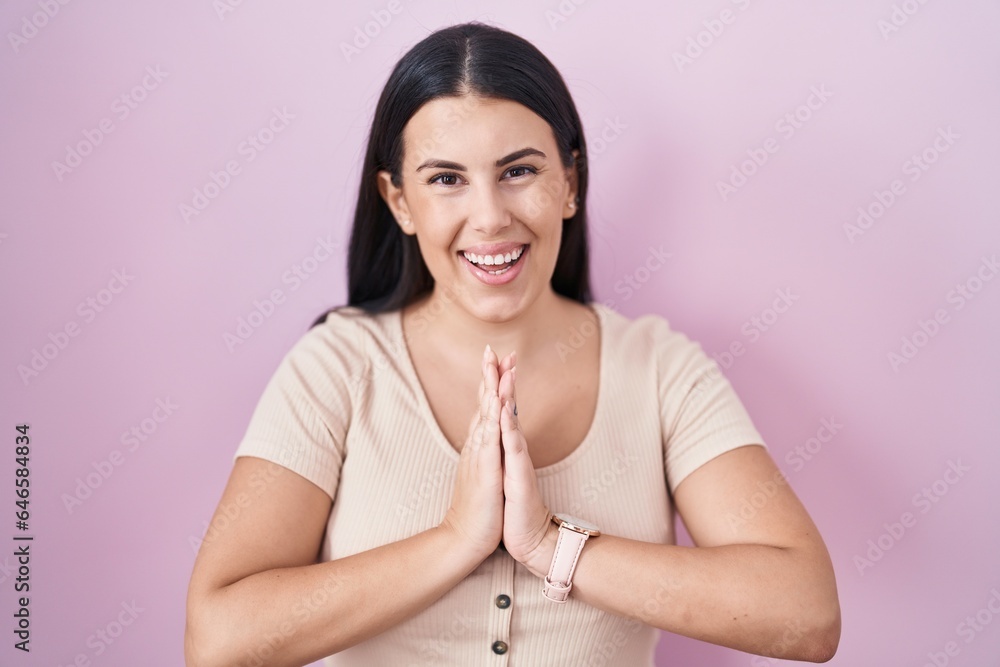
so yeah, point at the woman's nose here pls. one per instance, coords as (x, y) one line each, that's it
(489, 214)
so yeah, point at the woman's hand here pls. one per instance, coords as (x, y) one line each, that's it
(477, 506)
(526, 520)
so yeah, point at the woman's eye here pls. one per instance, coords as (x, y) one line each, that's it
(439, 177)
(528, 170)
(448, 178)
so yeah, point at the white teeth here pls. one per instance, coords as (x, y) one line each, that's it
(491, 260)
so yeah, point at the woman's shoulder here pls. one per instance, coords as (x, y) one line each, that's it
(336, 351)
(648, 329)
(651, 337)
(353, 320)
(344, 331)
(339, 315)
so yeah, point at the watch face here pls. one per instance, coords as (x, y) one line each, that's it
(574, 522)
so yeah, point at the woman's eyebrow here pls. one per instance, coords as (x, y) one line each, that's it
(507, 159)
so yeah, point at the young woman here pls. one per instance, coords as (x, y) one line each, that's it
(472, 463)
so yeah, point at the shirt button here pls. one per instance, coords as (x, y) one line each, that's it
(499, 647)
(503, 601)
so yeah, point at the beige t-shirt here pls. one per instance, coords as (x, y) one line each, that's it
(345, 410)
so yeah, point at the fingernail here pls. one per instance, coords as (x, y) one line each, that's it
(513, 373)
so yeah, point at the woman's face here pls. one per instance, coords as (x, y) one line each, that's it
(485, 193)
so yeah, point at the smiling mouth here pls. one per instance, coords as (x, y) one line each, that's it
(495, 264)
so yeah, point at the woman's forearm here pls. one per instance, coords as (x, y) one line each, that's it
(767, 600)
(294, 616)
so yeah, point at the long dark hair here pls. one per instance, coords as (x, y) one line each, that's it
(385, 268)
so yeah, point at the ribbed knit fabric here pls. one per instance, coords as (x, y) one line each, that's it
(345, 410)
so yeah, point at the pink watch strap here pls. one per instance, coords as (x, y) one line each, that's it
(559, 581)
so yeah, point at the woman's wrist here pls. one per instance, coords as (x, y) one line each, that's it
(458, 544)
(540, 558)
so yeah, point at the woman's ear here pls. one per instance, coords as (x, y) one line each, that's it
(393, 198)
(572, 205)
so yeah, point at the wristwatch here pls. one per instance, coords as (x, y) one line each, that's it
(573, 534)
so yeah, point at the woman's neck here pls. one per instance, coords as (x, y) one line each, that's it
(452, 327)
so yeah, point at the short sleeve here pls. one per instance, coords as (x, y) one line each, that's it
(701, 414)
(302, 417)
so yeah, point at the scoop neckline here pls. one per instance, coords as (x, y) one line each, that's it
(564, 462)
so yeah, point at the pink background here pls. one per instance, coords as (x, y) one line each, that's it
(671, 134)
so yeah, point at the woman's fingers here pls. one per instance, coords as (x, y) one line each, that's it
(480, 416)
(491, 425)
(507, 363)
(484, 427)
(505, 387)
(515, 446)
(508, 389)
(519, 471)
(472, 424)
(496, 390)
(487, 371)
(492, 372)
